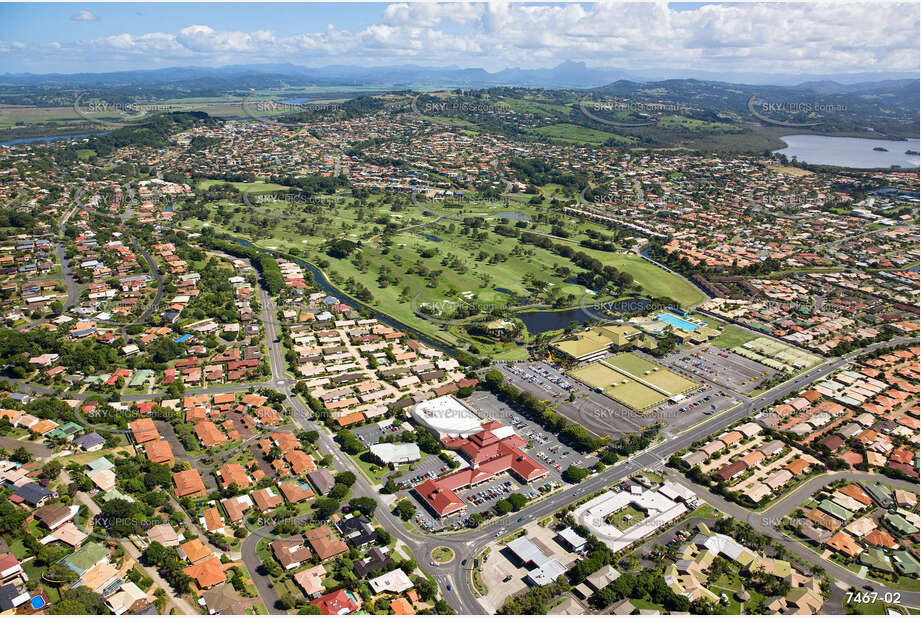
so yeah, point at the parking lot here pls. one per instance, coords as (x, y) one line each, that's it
(372, 433)
(698, 405)
(723, 367)
(600, 415)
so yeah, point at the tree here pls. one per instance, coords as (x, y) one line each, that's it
(574, 474)
(287, 601)
(518, 501)
(347, 478)
(405, 509)
(325, 507)
(365, 505)
(309, 610)
(21, 455)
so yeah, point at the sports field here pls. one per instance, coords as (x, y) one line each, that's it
(658, 376)
(622, 379)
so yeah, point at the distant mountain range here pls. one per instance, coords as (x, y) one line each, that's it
(565, 75)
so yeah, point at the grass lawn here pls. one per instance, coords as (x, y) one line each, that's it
(442, 554)
(865, 609)
(644, 604)
(731, 336)
(466, 268)
(18, 549)
(374, 472)
(705, 510)
(254, 187)
(625, 518)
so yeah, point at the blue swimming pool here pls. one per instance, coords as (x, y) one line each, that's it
(677, 322)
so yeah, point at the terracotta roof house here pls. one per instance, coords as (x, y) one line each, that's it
(401, 607)
(881, 538)
(857, 494)
(209, 434)
(233, 473)
(340, 602)
(291, 552)
(294, 493)
(160, 452)
(266, 499)
(213, 520)
(207, 574)
(797, 466)
(236, 507)
(844, 543)
(285, 440)
(143, 430)
(301, 462)
(189, 484)
(194, 551)
(325, 542)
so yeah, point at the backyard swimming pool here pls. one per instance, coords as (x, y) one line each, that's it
(678, 322)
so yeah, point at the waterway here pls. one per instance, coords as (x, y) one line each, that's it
(854, 152)
(30, 140)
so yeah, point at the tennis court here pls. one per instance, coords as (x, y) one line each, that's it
(777, 355)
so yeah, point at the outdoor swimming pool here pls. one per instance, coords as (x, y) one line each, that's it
(678, 322)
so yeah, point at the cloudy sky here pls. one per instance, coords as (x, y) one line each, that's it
(839, 37)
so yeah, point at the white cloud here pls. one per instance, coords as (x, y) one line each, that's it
(770, 37)
(83, 15)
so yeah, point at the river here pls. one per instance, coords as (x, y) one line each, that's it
(29, 140)
(854, 152)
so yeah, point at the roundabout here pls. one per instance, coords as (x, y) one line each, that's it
(442, 555)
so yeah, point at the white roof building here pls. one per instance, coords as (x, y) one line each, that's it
(391, 453)
(446, 416)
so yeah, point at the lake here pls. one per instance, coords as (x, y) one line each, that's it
(855, 152)
(29, 140)
(542, 321)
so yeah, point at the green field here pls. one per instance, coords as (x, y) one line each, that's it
(613, 377)
(252, 187)
(777, 355)
(618, 386)
(576, 134)
(658, 376)
(730, 337)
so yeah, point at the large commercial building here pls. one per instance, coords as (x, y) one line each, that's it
(446, 417)
(491, 451)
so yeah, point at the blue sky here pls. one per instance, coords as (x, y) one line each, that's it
(772, 37)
